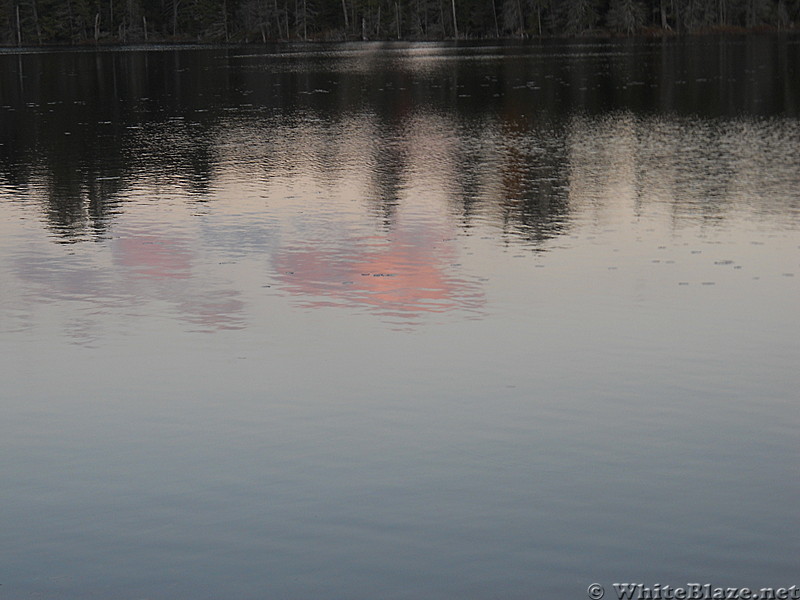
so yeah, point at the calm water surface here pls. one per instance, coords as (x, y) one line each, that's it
(399, 321)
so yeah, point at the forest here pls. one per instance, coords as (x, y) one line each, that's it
(87, 22)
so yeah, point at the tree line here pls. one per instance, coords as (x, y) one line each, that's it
(41, 22)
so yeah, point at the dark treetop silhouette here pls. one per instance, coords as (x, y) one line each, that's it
(37, 22)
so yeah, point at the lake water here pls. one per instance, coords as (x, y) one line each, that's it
(399, 321)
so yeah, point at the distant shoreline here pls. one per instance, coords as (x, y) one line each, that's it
(650, 34)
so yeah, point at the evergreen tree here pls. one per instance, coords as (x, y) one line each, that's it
(625, 16)
(513, 18)
(39, 22)
(539, 11)
(575, 17)
(8, 22)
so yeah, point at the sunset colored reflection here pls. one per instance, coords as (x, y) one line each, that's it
(365, 321)
(402, 276)
(153, 256)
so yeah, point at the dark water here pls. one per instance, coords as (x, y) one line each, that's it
(399, 321)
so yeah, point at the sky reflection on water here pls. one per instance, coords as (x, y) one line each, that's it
(373, 217)
(350, 325)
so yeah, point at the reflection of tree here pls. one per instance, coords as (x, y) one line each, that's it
(535, 186)
(390, 149)
(473, 158)
(388, 175)
(389, 169)
(700, 171)
(79, 201)
(190, 158)
(80, 129)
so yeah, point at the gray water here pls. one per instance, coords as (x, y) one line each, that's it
(399, 321)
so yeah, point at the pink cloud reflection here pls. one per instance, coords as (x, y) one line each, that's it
(154, 256)
(405, 276)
